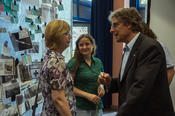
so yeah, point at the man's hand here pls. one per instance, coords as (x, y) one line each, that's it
(104, 78)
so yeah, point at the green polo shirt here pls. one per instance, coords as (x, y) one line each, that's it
(86, 80)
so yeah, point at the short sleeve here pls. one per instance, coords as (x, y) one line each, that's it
(57, 74)
(101, 65)
(169, 59)
(70, 64)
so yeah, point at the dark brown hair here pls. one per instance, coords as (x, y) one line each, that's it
(146, 30)
(128, 16)
(77, 55)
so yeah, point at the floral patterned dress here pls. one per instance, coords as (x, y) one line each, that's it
(55, 76)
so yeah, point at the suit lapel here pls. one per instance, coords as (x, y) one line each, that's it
(132, 56)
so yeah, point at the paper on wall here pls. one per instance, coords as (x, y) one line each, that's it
(31, 2)
(23, 33)
(48, 12)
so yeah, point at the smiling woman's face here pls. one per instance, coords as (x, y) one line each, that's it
(85, 46)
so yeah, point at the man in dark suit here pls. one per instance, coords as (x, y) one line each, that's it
(142, 83)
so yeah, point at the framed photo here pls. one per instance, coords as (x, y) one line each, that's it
(7, 66)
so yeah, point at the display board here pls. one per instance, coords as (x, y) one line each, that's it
(22, 46)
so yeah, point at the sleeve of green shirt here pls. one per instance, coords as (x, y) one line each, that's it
(101, 64)
(102, 69)
(70, 64)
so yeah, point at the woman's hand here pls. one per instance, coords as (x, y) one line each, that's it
(101, 91)
(93, 98)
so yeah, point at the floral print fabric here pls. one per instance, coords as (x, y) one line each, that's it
(55, 76)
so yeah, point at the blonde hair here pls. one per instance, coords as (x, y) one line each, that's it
(54, 32)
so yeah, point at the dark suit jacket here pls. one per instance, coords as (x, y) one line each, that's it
(144, 90)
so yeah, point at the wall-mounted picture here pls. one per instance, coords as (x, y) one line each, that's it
(7, 66)
(48, 12)
(23, 73)
(11, 89)
(35, 69)
(31, 2)
(9, 110)
(27, 105)
(20, 44)
(31, 91)
(26, 59)
(35, 48)
(20, 102)
(46, 1)
(19, 99)
(40, 98)
(1, 93)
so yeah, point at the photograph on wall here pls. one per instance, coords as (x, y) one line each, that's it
(35, 69)
(20, 44)
(11, 89)
(19, 99)
(48, 13)
(35, 73)
(1, 93)
(27, 105)
(6, 79)
(40, 98)
(26, 59)
(31, 101)
(23, 73)
(5, 48)
(46, 1)
(9, 110)
(31, 2)
(23, 33)
(20, 102)
(35, 48)
(7, 66)
(31, 91)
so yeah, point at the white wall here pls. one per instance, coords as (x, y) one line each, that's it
(163, 24)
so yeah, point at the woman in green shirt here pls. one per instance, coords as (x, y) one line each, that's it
(85, 69)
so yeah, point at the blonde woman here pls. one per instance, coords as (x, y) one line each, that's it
(56, 81)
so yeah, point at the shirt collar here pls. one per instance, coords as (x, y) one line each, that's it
(93, 59)
(131, 43)
(54, 53)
